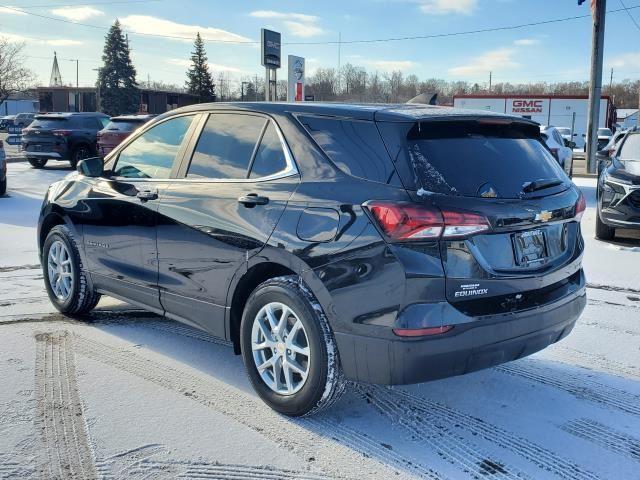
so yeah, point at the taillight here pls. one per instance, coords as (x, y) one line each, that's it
(62, 133)
(461, 224)
(581, 206)
(409, 221)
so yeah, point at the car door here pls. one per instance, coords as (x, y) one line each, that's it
(235, 188)
(119, 215)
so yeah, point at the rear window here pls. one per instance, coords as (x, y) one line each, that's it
(354, 146)
(123, 125)
(50, 123)
(472, 159)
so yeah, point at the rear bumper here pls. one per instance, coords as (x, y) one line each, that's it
(47, 155)
(473, 345)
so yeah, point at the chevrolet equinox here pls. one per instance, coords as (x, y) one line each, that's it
(390, 244)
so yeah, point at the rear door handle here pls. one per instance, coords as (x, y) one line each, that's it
(252, 200)
(145, 195)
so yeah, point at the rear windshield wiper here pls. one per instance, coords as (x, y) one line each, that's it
(536, 185)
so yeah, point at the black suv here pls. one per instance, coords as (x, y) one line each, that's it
(618, 191)
(62, 136)
(385, 244)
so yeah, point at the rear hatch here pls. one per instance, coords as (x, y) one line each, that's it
(510, 214)
(45, 133)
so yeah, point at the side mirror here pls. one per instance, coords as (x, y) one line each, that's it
(91, 167)
(603, 153)
(569, 143)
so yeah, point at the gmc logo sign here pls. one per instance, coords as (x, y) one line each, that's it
(527, 106)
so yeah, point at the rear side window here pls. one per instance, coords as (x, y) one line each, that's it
(226, 146)
(630, 151)
(471, 159)
(354, 146)
(270, 157)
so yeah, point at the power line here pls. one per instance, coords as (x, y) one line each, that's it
(629, 13)
(86, 4)
(333, 42)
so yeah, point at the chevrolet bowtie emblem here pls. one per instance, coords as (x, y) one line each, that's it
(543, 216)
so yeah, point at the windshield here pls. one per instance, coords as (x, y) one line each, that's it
(472, 159)
(630, 151)
(564, 131)
(604, 132)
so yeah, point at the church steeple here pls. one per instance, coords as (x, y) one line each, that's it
(56, 78)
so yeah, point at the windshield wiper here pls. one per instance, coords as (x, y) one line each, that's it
(536, 185)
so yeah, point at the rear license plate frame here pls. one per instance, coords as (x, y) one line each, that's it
(530, 247)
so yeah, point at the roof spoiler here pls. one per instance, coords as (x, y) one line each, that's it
(425, 99)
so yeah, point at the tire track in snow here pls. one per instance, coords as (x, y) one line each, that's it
(449, 446)
(580, 386)
(602, 435)
(66, 453)
(297, 435)
(140, 463)
(429, 413)
(591, 361)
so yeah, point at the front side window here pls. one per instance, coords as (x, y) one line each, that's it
(226, 146)
(270, 157)
(151, 155)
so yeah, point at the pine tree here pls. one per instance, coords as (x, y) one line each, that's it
(116, 84)
(199, 80)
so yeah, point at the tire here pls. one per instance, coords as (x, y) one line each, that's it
(3, 187)
(80, 298)
(79, 153)
(604, 231)
(38, 162)
(324, 382)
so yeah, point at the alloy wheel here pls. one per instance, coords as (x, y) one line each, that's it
(59, 270)
(280, 348)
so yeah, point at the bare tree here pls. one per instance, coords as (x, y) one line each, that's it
(14, 76)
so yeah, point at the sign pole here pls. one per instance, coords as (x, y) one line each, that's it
(270, 53)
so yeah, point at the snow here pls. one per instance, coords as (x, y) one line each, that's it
(132, 395)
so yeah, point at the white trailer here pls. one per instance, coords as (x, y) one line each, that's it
(545, 109)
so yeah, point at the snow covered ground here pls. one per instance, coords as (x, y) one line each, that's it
(131, 395)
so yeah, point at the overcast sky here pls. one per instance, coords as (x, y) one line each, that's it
(551, 52)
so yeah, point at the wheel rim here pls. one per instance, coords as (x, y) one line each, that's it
(82, 153)
(280, 348)
(60, 271)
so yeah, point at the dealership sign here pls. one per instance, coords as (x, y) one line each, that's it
(295, 79)
(527, 106)
(270, 42)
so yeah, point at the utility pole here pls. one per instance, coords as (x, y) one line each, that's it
(611, 82)
(339, 48)
(490, 75)
(595, 83)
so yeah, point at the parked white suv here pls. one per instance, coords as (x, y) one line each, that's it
(560, 150)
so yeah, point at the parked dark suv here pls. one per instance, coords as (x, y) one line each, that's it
(62, 136)
(385, 244)
(618, 191)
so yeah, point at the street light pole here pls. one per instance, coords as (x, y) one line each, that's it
(595, 83)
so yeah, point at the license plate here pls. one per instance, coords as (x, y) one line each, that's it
(530, 247)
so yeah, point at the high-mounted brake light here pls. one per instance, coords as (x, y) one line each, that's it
(581, 206)
(408, 221)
